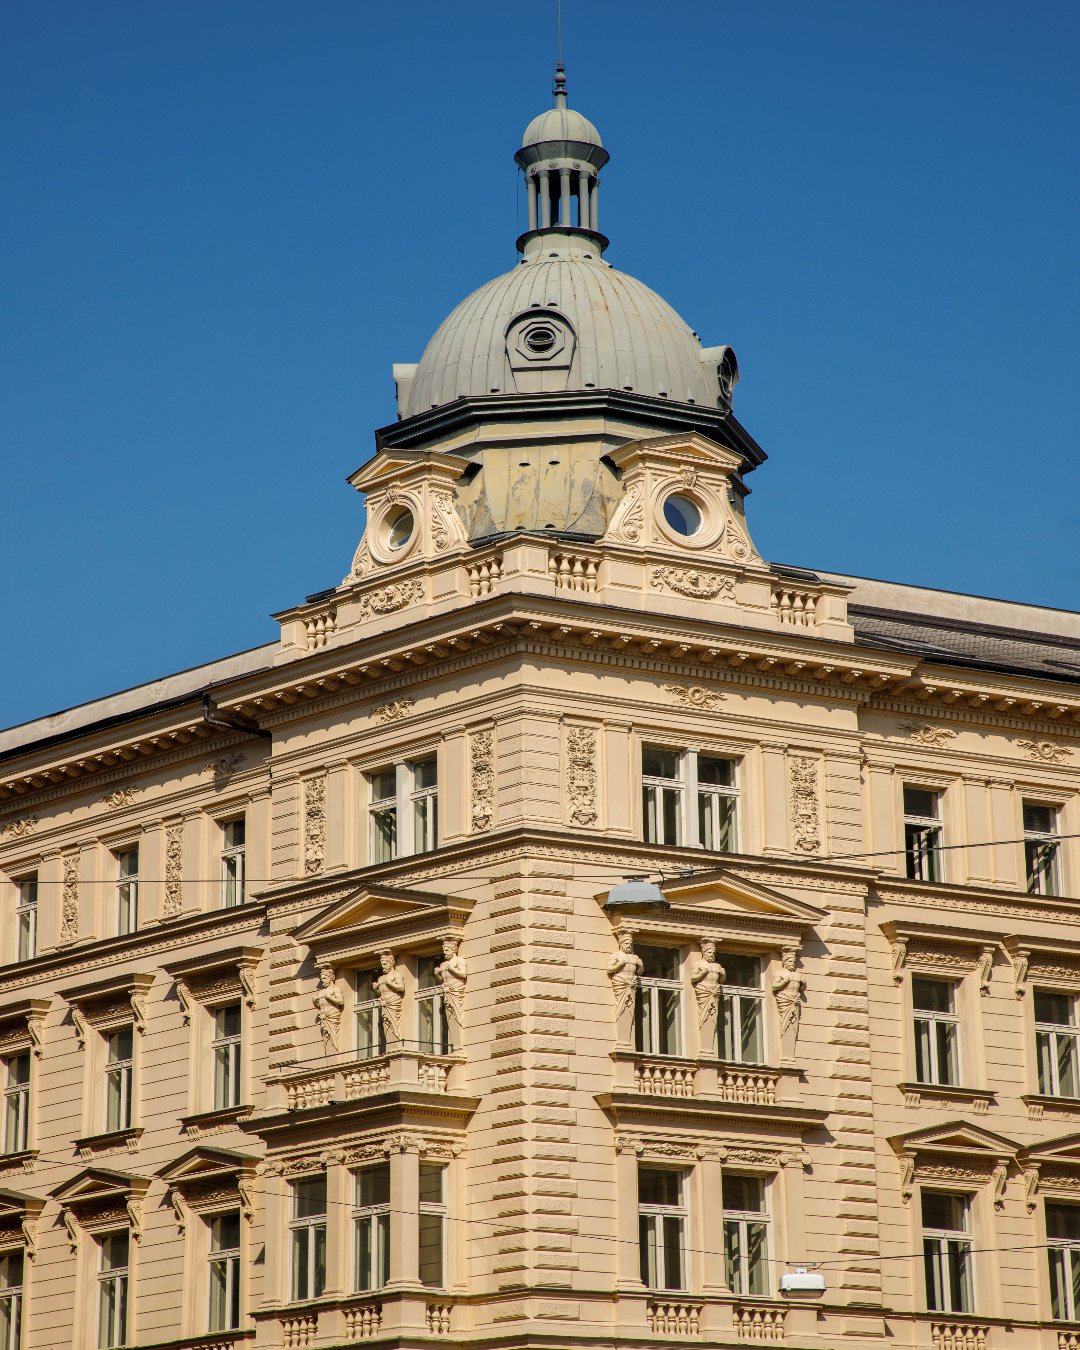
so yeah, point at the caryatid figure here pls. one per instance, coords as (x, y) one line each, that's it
(329, 1003)
(624, 970)
(452, 973)
(706, 977)
(390, 987)
(788, 986)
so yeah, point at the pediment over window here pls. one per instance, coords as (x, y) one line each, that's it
(956, 1136)
(18, 1221)
(216, 977)
(210, 1179)
(954, 1153)
(725, 905)
(372, 917)
(20, 1026)
(109, 1003)
(97, 1198)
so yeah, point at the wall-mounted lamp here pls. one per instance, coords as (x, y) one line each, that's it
(802, 1281)
(636, 895)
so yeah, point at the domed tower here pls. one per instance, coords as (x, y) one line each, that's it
(539, 375)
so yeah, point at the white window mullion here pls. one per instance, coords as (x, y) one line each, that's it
(406, 833)
(690, 832)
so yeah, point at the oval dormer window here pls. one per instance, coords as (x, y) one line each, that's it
(540, 338)
(682, 515)
(399, 528)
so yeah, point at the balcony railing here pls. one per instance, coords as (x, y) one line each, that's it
(754, 1322)
(673, 1319)
(348, 1077)
(674, 1076)
(959, 1335)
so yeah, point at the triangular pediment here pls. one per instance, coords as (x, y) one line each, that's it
(389, 466)
(95, 1184)
(956, 1136)
(690, 449)
(723, 892)
(1063, 1149)
(371, 907)
(16, 1205)
(206, 1164)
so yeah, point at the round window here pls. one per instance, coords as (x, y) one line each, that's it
(683, 515)
(399, 528)
(540, 339)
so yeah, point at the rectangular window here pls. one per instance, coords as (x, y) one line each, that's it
(746, 1235)
(307, 1238)
(1056, 1047)
(433, 1031)
(26, 924)
(11, 1299)
(1063, 1254)
(17, 1103)
(224, 1272)
(741, 1025)
(689, 798)
(113, 1289)
(937, 1032)
(371, 1227)
(432, 1224)
(127, 891)
(658, 1010)
(661, 1228)
(1041, 849)
(233, 844)
(947, 1258)
(403, 809)
(119, 1063)
(922, 834)
(370, 1037)
(226, 1055)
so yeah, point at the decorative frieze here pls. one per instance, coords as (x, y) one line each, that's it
(805, 827)
(692, 582)
(387, 599)
(482, 773)
(581, 775)
(223, 768)
(394, 711)
(695, 696)
(173, 898)
(314, 825)
(69, 903)
(19, 829)
(1046, 752)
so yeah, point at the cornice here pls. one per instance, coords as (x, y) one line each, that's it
(627, 1108)
(401, 1108)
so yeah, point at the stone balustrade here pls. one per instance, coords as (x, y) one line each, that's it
(673, 1319)
(755, 1322)
(1068, 1340)
(797, 608)
(320, 628)
(959, 1336)
(438, 1319)
(662, 1078)
(747, 1085)
(363, 1321)
(572, 571)
(298, 1330)
(483, 574)
(347, 1078)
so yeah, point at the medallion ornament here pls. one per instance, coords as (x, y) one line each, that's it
(695, 696)
(394, 711)
(19, 829)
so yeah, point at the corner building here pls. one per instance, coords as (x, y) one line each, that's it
(326, 1015)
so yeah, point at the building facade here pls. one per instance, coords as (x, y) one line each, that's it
(327, 1015)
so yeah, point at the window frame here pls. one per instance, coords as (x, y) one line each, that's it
(734, 1000)
(934, 1021)
(1040, 840)
(403, 807)
(127, 891)
(233, 863)
(932, 870)
(122, 1072)
(375, 1046)
(11, 1301)
(376, 1218)
(231, 1258)
(742, 1220)
(26, 917)
(233, 1045)
(647, 1005)
(17, 1096)
(1068, 1251)
(691, 794)
(118, 1277)
(430, 1001)
(314, 1228)
(1070, 1032)
(433, 1209)
(650, 1219)
(943, 1239)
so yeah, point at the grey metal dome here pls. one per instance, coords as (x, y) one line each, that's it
(564, 319)
(560, 124)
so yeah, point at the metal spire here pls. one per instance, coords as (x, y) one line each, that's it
(560, 70)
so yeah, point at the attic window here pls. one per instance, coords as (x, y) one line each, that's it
(540, 339)
(683, 515)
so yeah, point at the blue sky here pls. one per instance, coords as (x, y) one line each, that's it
(225, 219)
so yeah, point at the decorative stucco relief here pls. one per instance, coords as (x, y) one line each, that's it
(706, 977)
(452, 973)
(690, 582)
(482, 766)
(922, 733)
(223, 768)
(581, 775)
(695, 696)
(314, 825)
(788, 987)
(389, 598)
(394, 711)
(329, 1004)
(624, 970)
(446, 526)
(1047, 752)
(390, 989)
(69, 912)
(19, 829)
(173, 900)
(629, 518)
(121, 796)
(805, 827)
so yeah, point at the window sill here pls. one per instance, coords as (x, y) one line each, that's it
(93, 1144)
(23, 1161)
(979, 1099)
(1039, 1103)
(211, 1122)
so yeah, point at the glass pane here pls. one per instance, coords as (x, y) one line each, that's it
(744, 1193)
(720, 772)
(672, 817)
(743, 971)
(647, 1250)
(752, 1041)
(309, 1198)
(10, 1318)
(920, 802)
(424, 809)
(226, 1079)
(235, 831)
(960, 1276)
(934, 1273)
(660, 763)
(114, 1252)
(659, 963)
(300, 1246)
(1039, 819)
(1066, 1066)
(18, 1067)
(733, 1256)
(384, 834)
(932, 995)
(431, 1184)
(225, 1233)
(1063, 1221)
(757, 1258)
(232, 874)
(948, 1059)
(644, 1022)
(219, 1295)
(227, 1020)
(924, 1064)
(383, 785)
(1059, 1009)
(373, 1185)
(669, 1003)
(424, 774)
(431, 1249)
(1073, 1264)
(673, 1278)
(658, 1186)
(365, 985)
(1059, 1283)
(944, 1210)
(11, 1271)
(1044, 1052)
(425, 973)
(318, 1281)
(127, 863)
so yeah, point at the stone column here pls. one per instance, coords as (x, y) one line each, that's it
(564, 196)
(545, 201)
(404, 1216)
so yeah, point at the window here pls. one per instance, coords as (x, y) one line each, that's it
(226, 1053)
(432, 1224)
(658, 1010)
(11, 1297)
(672, 779)
(26, 923)
(127, 891)
(1041, 846)
(370, 1037)
(661, 1228)
(922, 834)
(119, 1062)
(404, 810)
(113, 1289)
(371, 1226)
(937, 1032)
(433, 1031)
(224, 1259)
(1063, 1254)
(741, 1025)
(308, 1238)
(1056, 1035)
(17, 1104)
(746, 1235)
(947, 1259)
(233, 838)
